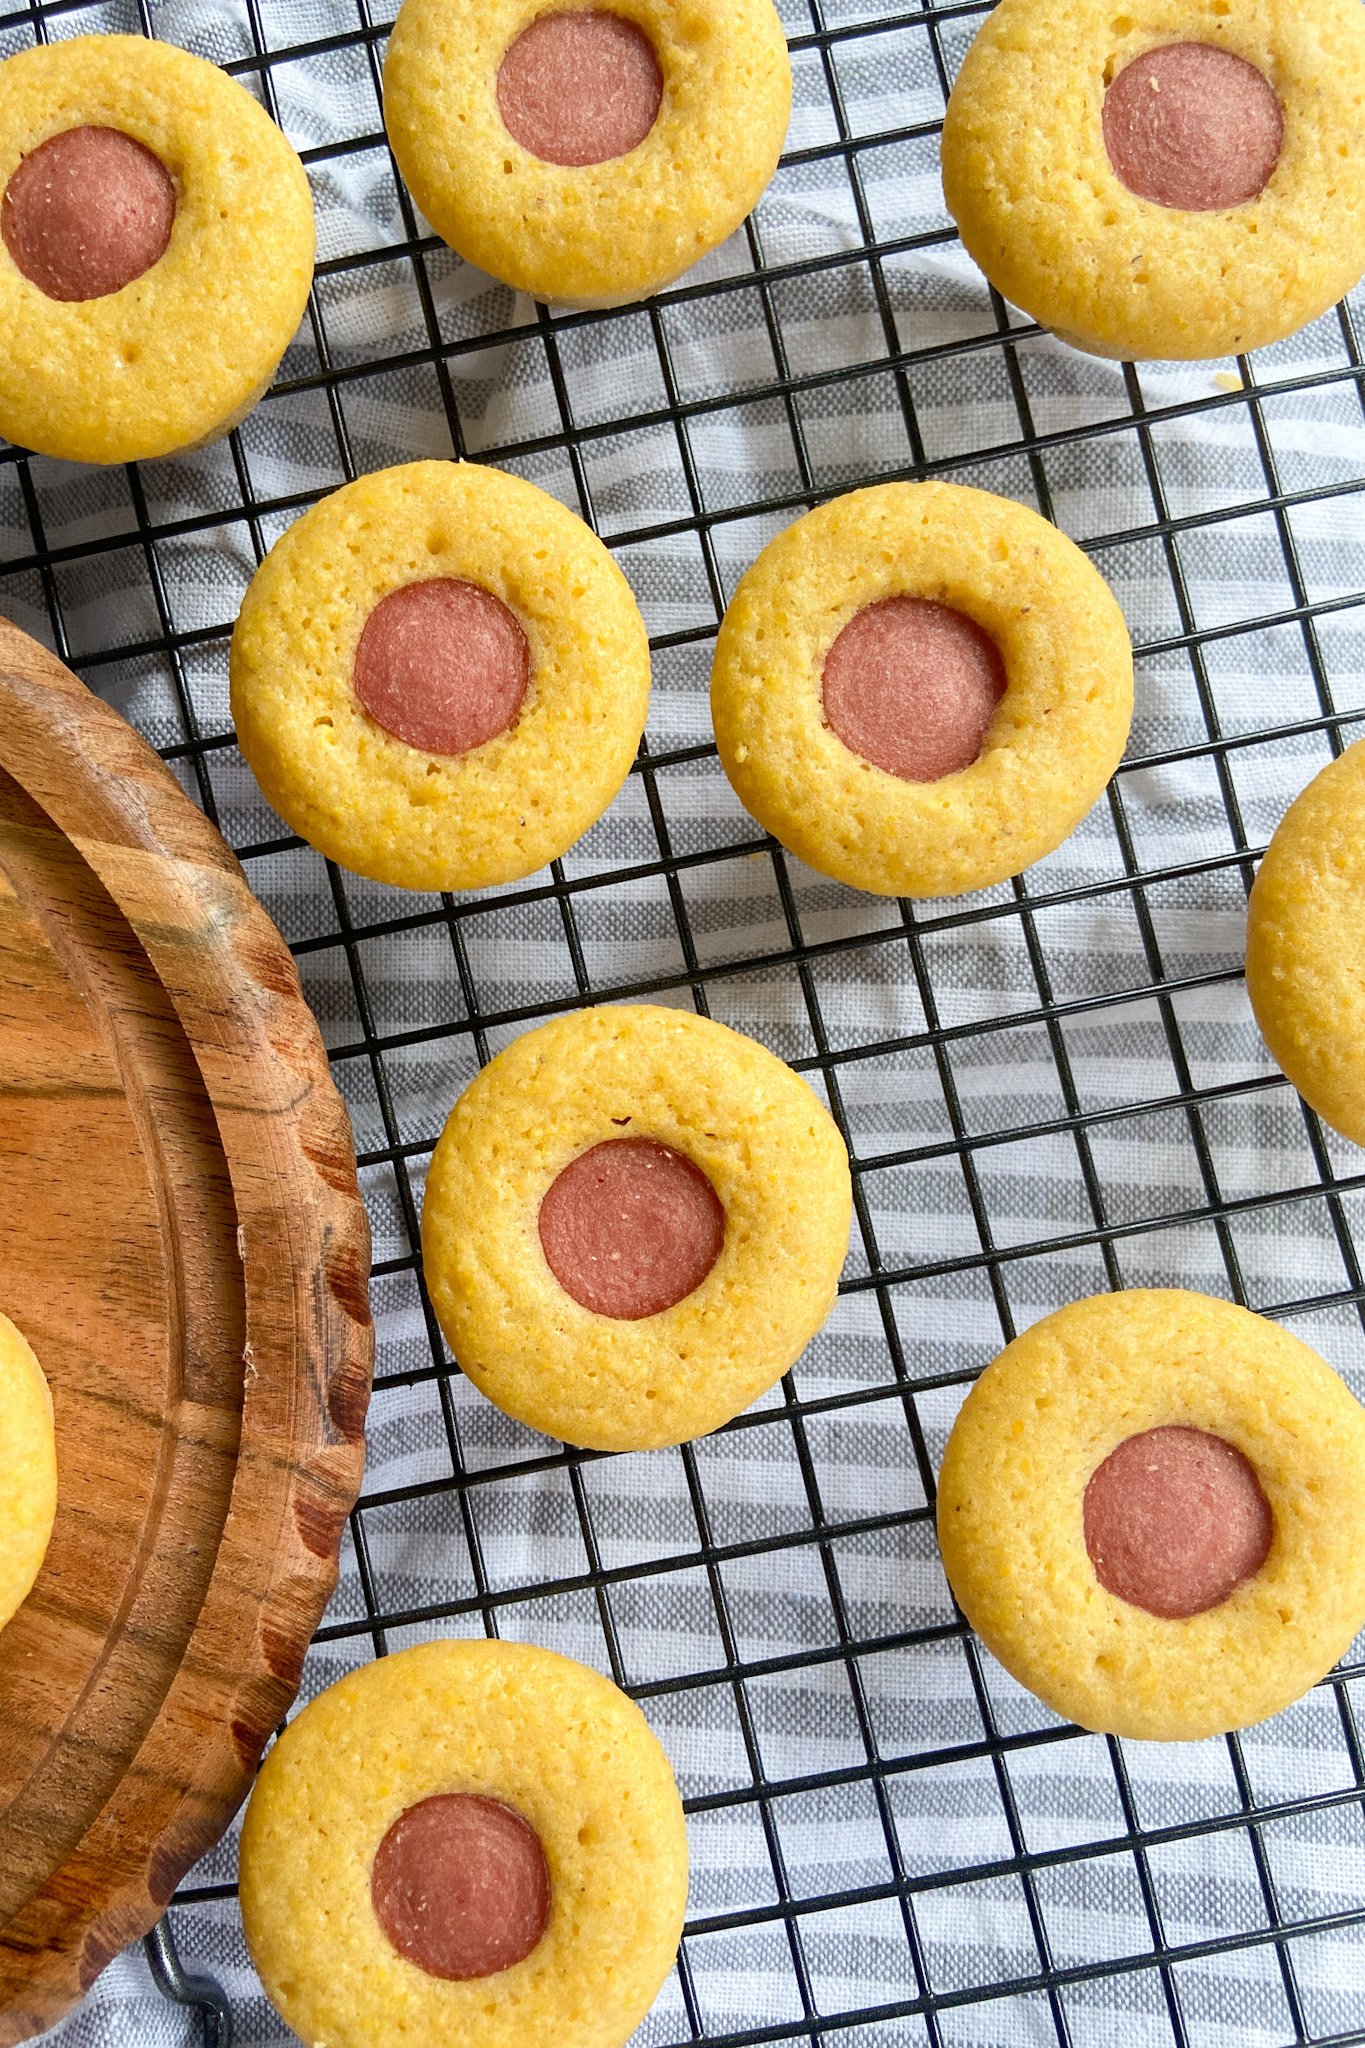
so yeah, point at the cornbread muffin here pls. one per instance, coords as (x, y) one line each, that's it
(635, 1222)
(156, 253)
(1168, 178)
(1152, 1511)
(921, 688)
(440, 676)
(589, 153)
(28, 1469)
(1306, 944)
(473, 1842)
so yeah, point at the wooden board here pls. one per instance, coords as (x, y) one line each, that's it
(183, 1244)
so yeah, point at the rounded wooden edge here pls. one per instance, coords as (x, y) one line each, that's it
(305, 1245)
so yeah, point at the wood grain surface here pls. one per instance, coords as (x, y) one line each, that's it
(183, 1244)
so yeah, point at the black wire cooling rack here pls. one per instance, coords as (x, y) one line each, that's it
(935, 1860)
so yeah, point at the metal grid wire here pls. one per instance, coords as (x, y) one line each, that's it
(1047, 1089)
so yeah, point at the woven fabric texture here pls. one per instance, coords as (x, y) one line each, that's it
(1053, 1088)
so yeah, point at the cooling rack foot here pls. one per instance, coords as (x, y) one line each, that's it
(173, 1983)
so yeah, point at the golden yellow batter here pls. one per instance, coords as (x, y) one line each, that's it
(1057, 734)
(534, 1731)
(363, 796)
(604, 233)
(1306, 944)
(28, 1469)
(771, 1153)
(182, 353)
(1050, 1410)
(1029, 181)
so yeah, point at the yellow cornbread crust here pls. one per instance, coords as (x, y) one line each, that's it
(1051, 1408)
(1028, 180)
(371, 801)
(28, 1469)
(1306, 944)
(767, 1145)
(1057, 734)
(178, 356)
(547, 1737)
(605, 233)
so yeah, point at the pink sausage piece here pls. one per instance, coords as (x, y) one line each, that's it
(912, 686)
(87, 212)
(1191, 126)
(631, 1227)
(580, 89)
(443, 665)
(460, 1886)
(1175, 1520)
